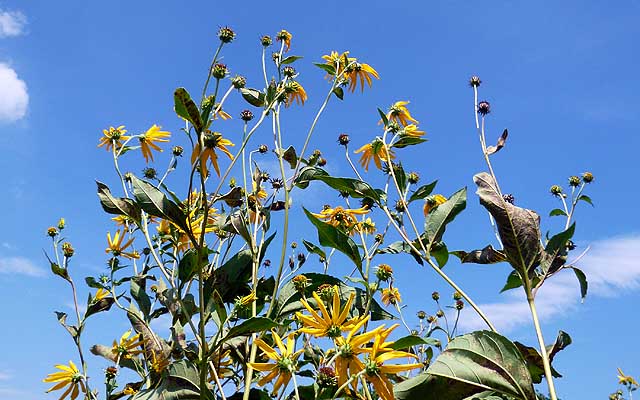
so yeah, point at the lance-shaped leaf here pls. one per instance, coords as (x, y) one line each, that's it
(187, 109)
(519, 228)
(254, 97)
(487, 361)
(312, 248)
(488, 255)
(413, 340)
(234, 198)
(155, 203)
(290, 60)
(423, 191)
(406, 140)
(115, 205)
(582, 279)
(356, 188)
(331, 236)
(437, 220)
(402, 247)
(513, 281)
(251, 325)
(97, 306)
(152, 343)
(500, 144)
(555, 253)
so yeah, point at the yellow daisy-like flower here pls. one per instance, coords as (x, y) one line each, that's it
(284, 363)
(128, 390)
(360, 72)
(159, 362)
(347, 361)
(127, 347)
(391, 296)
(67, 376)
(284, 36)
(626, 379)
(212, 141)
(327, 324)
(148, 141)
(221, 362)
(412, 130)
(398, 112)
(220, 113)
(121, 220)
(374, 151)
(164, 228)
(113, 137)
(343, 218)
(116, 248)
(432, 202)
(195, 226)
(338, 61)
(294, 91)
(375, 370)
(367, 226)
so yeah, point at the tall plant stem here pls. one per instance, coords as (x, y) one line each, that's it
(543, 350)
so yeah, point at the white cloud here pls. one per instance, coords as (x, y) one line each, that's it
(12, 23)
(5, 376)
(20, 266)
(13, 97)
(612, 266)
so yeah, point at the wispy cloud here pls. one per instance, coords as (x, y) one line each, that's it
(612, 266)
(20, 266)
(14, 99)
(12, 23)
(5, 376)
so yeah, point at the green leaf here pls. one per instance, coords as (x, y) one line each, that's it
(331, 236)
(62, 319)
(487, 255)
(155, 203)
(513, 281)
(440, 252)
(97, 306)
(290, 60)
(339, 92)
(117, 206)
(556, 212)
(58, 270)
(486, 361)
(423, 191)
(406, 140)
(187, 109)
(251, 325)
(312, 248)
(437, 220)
(412, 340)
(430, 387)
(356, 188)
(519, 228)
(234, 198)
(586, 199)
(555, 253)
(188, 266)
(329, 69)
(384, 118)
(216, 309)
(140, 295)
(534, 359)
(254, 97)
(180, 383)
(582, 279)
(401, 247)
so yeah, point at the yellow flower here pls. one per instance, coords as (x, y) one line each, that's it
(411, 130)
(391, 296)
(626, 379)
(294, 91)
(117, 248)
(68, 376)
(101, 294)
(158, 362)
(338, 61)
(221, 362)
(212, 141)
(432, 202)
(343, 218)
(376, 151)
(329, 324)
(375, 370)
(128, 390)
(121, 220)
(398, 112)
(148, 141)
(347, 361)
(245, 300)
(367, 226)
(362, 72)
(164, 228)
(284, 363)
(220, 113)
(126, 347)
(284, 36)
(113, 137)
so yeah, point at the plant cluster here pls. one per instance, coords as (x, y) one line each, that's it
(250, 316)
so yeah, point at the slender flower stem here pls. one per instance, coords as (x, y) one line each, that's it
(213, 61)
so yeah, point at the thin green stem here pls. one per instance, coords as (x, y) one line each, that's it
(213, 61)
(543, 350)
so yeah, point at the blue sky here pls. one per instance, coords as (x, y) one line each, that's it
(562, 76)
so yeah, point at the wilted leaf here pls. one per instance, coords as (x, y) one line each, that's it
(291, 157)
(501, 141)
(487, 255)
(234, 198)
(519, 228)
